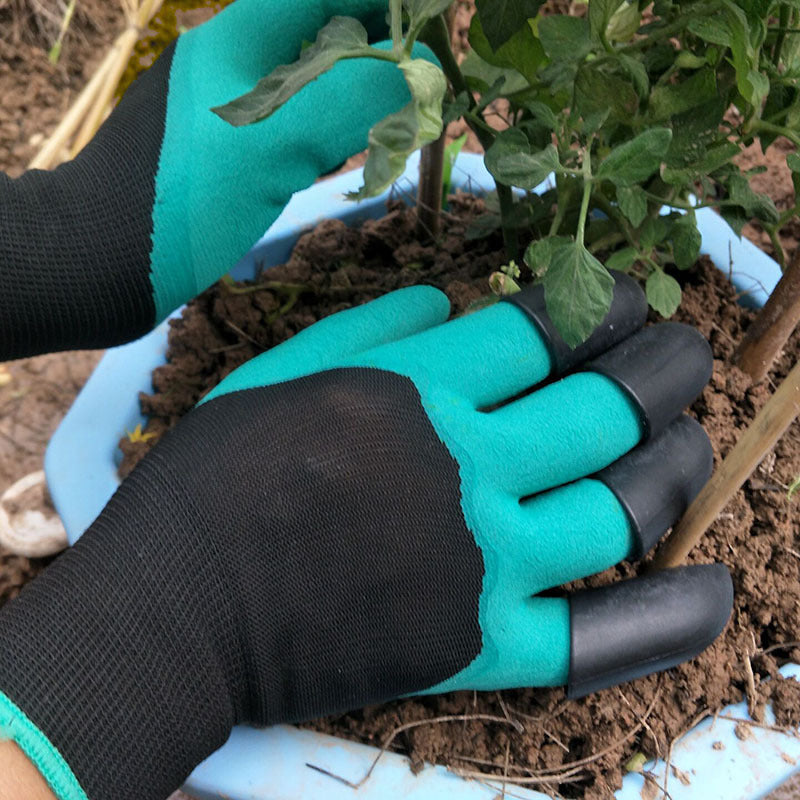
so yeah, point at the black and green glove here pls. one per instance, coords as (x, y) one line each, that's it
(370, 510)
(167, 197)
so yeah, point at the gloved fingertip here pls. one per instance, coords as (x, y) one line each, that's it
(656, 482)
(662, 368)
(627, 315)
(644, 625)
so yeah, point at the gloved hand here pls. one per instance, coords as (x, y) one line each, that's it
(343, 522)
(167, 197)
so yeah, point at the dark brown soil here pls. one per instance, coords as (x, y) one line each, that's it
(757, 535)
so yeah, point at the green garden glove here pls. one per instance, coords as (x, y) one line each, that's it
(167, 197)
(368, 511)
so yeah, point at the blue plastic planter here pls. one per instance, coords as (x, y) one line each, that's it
(273, 764)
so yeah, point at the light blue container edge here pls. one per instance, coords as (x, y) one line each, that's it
(273, 764)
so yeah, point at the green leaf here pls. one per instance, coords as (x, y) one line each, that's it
(522, 52)
(793, 162)
(600, 13)
(565, 38)
(756, 205)
(456, 109)
(638, 74)
(633, 204)
(511, 162)
(686, 241)
(663, 293)
(622, 260)
(420, 11)
(636, 160)
(711, 29)
(597, 91)
(714, 158)
(653, 232)
(542, 113)
(342, 37)
(699, 89)
(578, 291)
(624, 23)
(540, 252)
(501, 19)
(395, 137)
(482, 76)
(735, 217)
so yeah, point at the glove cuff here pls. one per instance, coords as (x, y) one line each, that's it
(16, 727)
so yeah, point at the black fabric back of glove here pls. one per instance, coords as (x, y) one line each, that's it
(75, 247)
(213, 595)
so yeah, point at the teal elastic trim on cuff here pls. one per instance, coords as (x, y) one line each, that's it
(16, 726)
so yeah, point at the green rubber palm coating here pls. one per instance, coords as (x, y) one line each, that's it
(218, 188)
(544, 444)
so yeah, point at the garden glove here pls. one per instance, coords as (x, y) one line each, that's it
(355, 516)
(167, 197)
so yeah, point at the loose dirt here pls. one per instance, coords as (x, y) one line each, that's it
(757, 535)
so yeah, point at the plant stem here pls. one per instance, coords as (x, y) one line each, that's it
(396, 13)
(783, 21)
(429, 194)
(772, 230)
(779, 130)
(588, 185)
(768, 333)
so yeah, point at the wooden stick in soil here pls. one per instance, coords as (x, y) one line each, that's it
(429, 195)
(773, 326)
(768, 426)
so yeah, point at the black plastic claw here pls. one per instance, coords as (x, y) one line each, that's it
(629, 629)
(627, 314)
(656, 482)
(663, 368)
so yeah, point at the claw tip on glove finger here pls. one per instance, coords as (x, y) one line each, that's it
(663, 369)
(656, 482)
(630, 629)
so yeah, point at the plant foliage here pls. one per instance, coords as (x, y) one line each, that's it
(632, 112)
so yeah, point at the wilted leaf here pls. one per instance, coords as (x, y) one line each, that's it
(633, 204)
(636, 160)
(395, 137)
(578, 292)
(663, 293)
(342, 37)
(511, 161)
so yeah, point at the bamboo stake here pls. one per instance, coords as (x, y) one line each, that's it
(94, 102)
(125, 45)
(765, 430)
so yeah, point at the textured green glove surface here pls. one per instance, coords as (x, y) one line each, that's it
(167, 196)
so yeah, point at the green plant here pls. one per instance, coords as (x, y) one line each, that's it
(633, 108)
